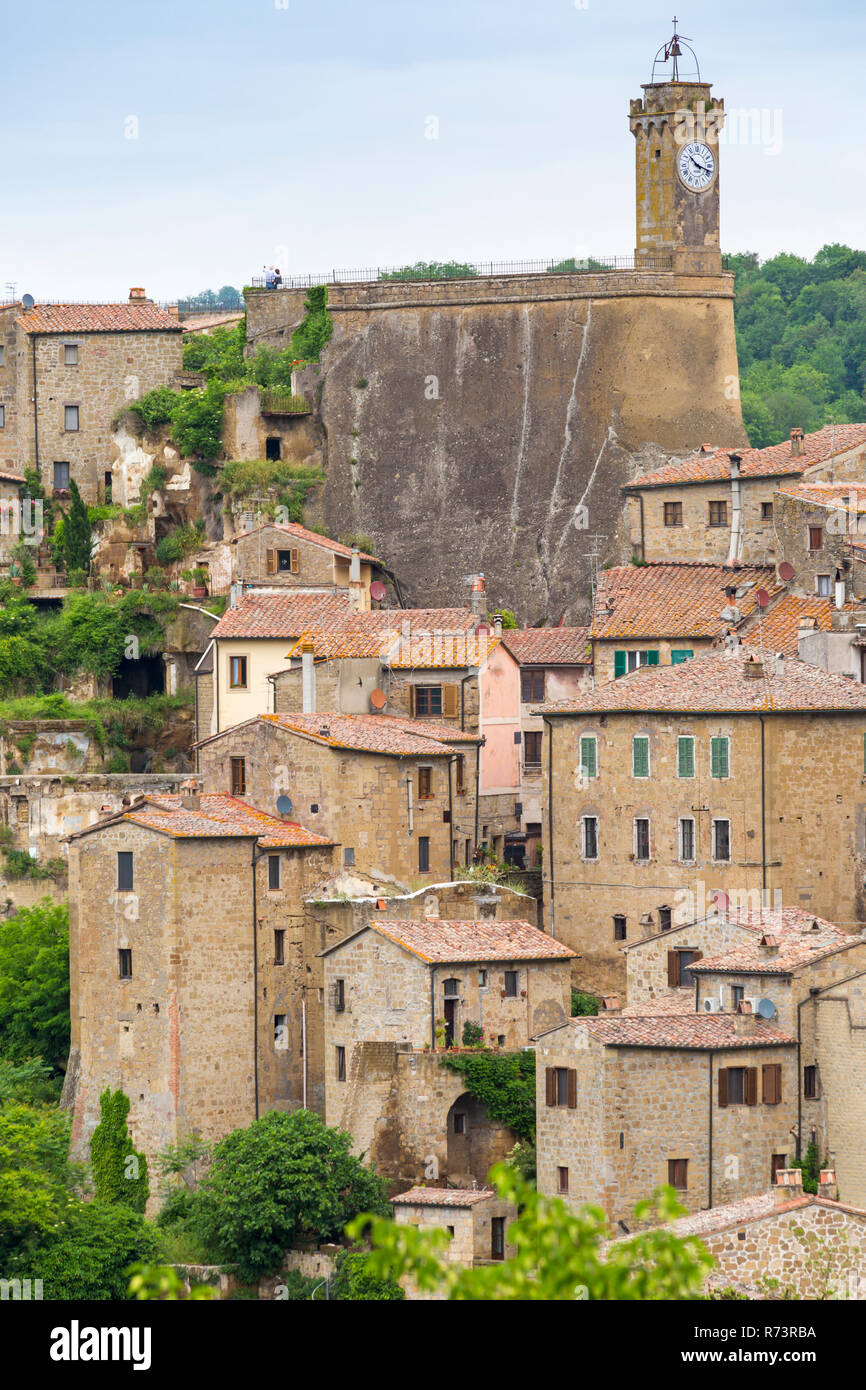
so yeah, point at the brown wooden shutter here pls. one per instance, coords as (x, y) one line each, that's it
(271, 561)
(698, 955)
(411, 702)
(771, 1083)
(295, 561)
(674, 969)
(751, 1085)
(572, 1089)
(449, 701)
(723, 1087)
(550, 1085)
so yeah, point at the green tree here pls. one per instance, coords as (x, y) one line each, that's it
(77, 538)
(34, 984)
(355, 1281)
(119, 1170)
(91, 1253)
(286, 1176)
(561, 1254)
(35, 1182)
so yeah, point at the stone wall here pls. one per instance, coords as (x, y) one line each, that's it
(815, 1251)
(794, 516)
(41, 810)
(695, 539)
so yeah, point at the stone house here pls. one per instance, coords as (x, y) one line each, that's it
(723, 774)
(657, 965)
(398, 795)
(627, 1104)
(397, 994)
(821, 531)
(186, 934)
(666, 613)
(65, 371)
(288, 556)
(476, 1219)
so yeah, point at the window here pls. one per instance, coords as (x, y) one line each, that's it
(497, 1238)
(816, 538)
(2, 355)
(563, 1179)
(279, 946)
(274, 866)
(619, 927)
(766, 511)
(640, 756)
(61, 477)
(428, 700)
(425, 783)
(685, 756)
(272, 447)
(460, 1123)
(777, 1162)
(678, 1173)
(722, 841)
(70, 354)
(641, 839)
(237, 672)
(70, 418)
(124, 964)
(825, 586)
(340, 996)
(423, 854)
(532, 749)
(665, 918)
(348, 858)
(341, 1063)
(460, 774)
(451, 987)
(589, 755)
(687, 840)
(673, 513)
(679, 974)
(738, 1086)
(511, 981)
(771, 1083)
(560, 1086)
(124, 871)
(681, 655)
(482, 979)
(281, 1033)
(738, 994)
(238, 767)
(718, 513)
(532, 687)
(2, 417)
(450, 1230)
(629, 661)
(289, 561)
(810, 1083)
(589, 847)
(720, 765)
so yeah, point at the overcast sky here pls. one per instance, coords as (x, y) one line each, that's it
(297, 132)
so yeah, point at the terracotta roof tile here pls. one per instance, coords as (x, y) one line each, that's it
(98, 318)
(717, 682)
(374, 733)
(218, 817)
(699, 1031)
(442, 1196)
(800, 938)
(675, 1001)
(12, 478)
(403, 638)
(674, 600)
(549, 646)
(778, 628)
(284, 615)
(747, 1209)
(775, 461)
(435, 940)
(292, 528)
(844, 496)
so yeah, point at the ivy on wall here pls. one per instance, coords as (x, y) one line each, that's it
(504, 1082)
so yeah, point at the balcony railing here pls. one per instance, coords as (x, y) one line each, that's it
(284, 403)
(468, 271)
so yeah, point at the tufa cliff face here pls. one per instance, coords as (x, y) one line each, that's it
(500, 417)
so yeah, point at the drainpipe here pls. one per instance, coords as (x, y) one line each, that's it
(432, 1007)
(550, 820)
(308, 679)
(710, 1139)
(272, 682)
(451, 762)
(642, 545)
(304, 1043)
(35, 410)
(409, 805)
(763, 817)
(736, 545)
(216, 680)
(477, 785)
(255, 860)
(463, 681)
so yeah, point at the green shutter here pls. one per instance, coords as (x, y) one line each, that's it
(587, 755)
(719, 757)
(640, 756)
(678, 657)
(864, 755)
(618, 664)
(686, 757)
(652, 658)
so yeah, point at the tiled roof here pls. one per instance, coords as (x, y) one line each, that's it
(674, 600)
(733, 1214)
(777, 630)
(847, 496)
(403, 638)
(12, 478)
(97, 318)
(283, 615)
(675, 1001)
(300, 533)
(434, 940)
(799, 939)
(374, 733)
(713, 465)
(699, 1031)
(218, 817)
(549, 646)
(717, 682)
(442, 1196)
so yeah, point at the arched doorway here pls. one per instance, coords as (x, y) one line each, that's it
(475, 1142)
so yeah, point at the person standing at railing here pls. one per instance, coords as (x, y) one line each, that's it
(270, 277)
(278, 279)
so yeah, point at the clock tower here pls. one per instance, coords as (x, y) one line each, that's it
(676, 125)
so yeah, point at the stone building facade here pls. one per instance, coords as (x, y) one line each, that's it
(288, 556)
(476, 1219)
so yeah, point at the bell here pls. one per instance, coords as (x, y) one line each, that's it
(675, 51)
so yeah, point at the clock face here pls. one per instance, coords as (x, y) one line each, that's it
(697, 166)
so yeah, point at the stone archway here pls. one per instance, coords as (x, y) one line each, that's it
(474, 1142)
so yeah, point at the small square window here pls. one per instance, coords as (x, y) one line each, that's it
(425, 783)
(766, 511)
(281, 1033)
(673, 513)
(810, 1083)
(237, 672)
(532, 748)
(665, 918)
(816, 538)
(61, 477)
(348, 858)
(678, 1173)
(70, 418)
(722, 841)
(718, 513)
(460, 1123)
(428, 701)
(532, 687)
(482, 979)
(70, 354)
(825, 586)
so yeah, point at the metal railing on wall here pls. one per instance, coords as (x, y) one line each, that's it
(465, 271)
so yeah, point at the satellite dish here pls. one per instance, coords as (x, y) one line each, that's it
(763, 598)
(284, 805)
(786, 572)
(377, 590)
(378, 699)
(28, 301)
(766, 1008)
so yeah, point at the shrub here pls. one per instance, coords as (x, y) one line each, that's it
(355, 1280)
(77, 537)
(34, 983)
(92, 1252)
(119, 1171)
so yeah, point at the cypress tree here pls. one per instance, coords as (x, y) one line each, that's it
(76, 534)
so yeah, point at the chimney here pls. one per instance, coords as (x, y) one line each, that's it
(308, 679)
(137, 296)
(744, 1021)
(796, 442)
(769, 945)
(479, 597)
(190, 794)
(789, 1185)
(753, 670)
(707, 449)
(827, 1184)
(355, 566)
(497, 625)
(611, 1005)
(839, 590)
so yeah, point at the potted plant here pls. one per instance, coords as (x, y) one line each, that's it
(199, 583)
